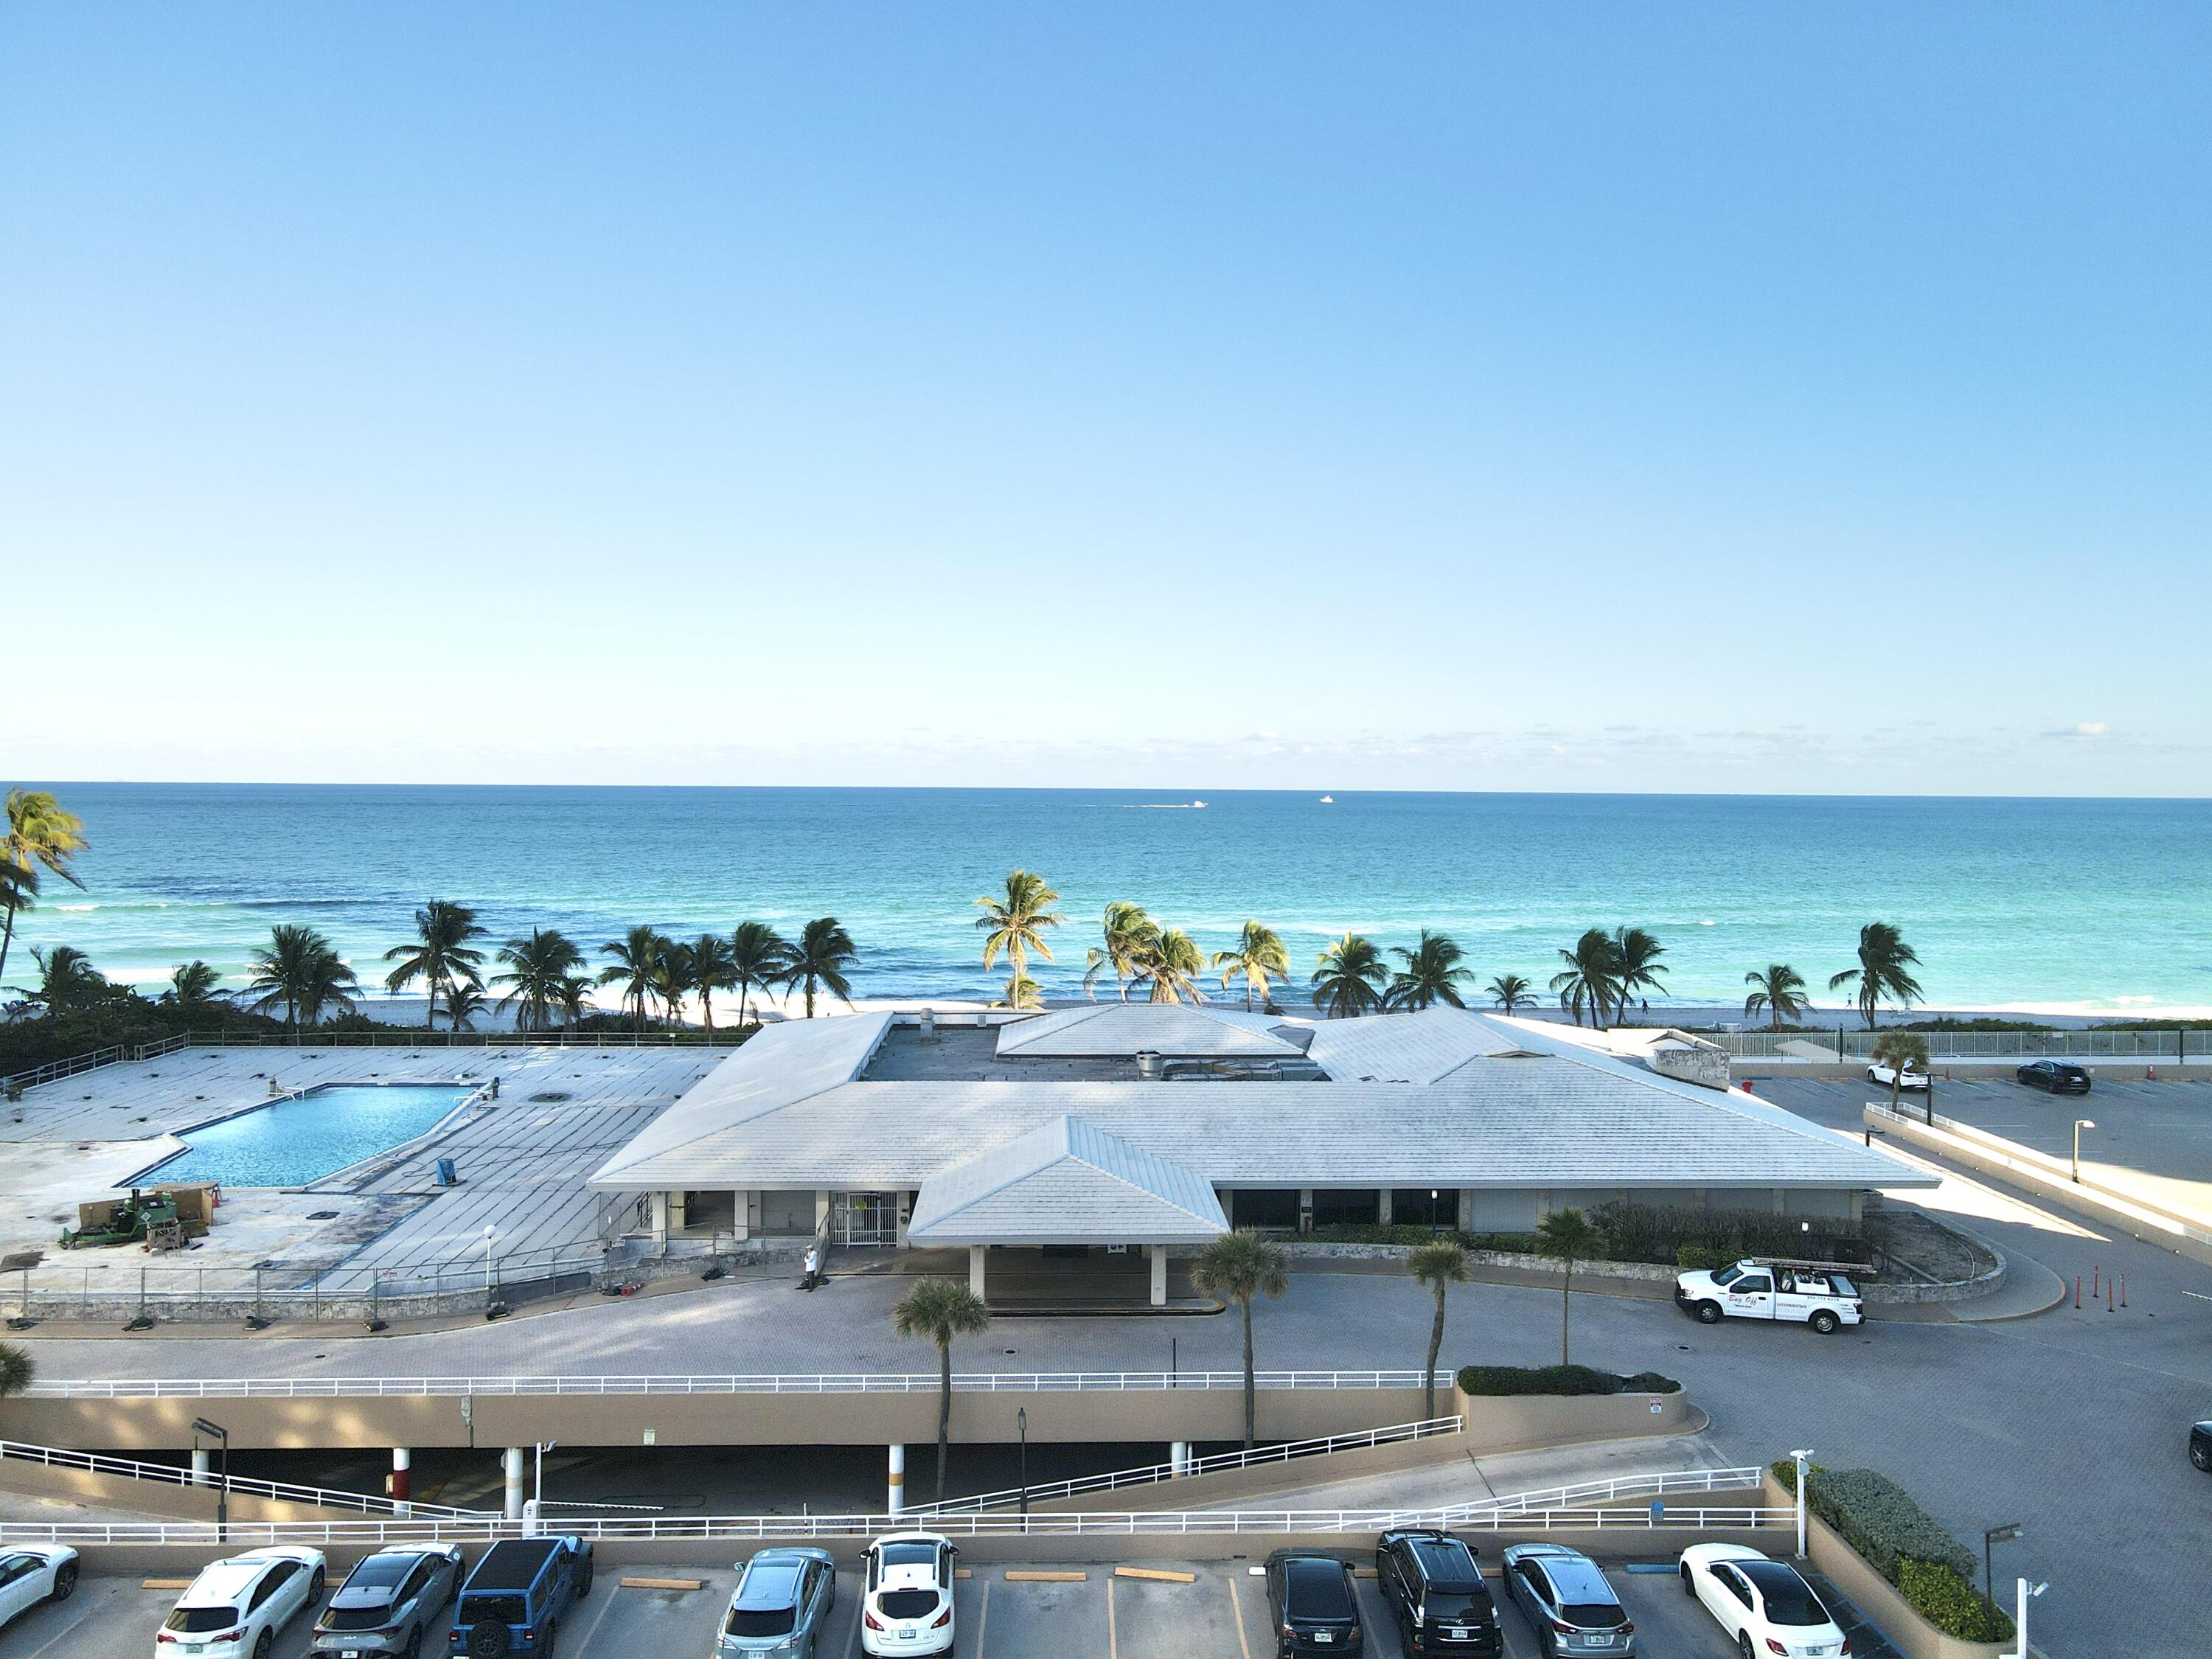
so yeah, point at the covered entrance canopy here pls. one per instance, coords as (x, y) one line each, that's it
(1067, 1183)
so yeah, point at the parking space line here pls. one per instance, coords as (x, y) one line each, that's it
(606, 1606)
(982, 1619)
(1113, 1646)
(1236, 1607)
(84, 1611)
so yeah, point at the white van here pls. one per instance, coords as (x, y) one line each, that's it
(1816, 1293)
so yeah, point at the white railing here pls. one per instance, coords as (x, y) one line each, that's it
(989, 1524)
(1152, 1473)
(1597, 1494)
(169, 1474)
(297, 1388)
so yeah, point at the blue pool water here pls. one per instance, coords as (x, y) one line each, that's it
(289, 1143)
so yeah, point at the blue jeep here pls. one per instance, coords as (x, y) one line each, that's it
(513, 1600)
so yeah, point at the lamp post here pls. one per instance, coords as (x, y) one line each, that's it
(2019, 1619)
(221, 1436)
(2003, 1534)
(1804, 1460)
(2080, 1124)
(1022, 1423)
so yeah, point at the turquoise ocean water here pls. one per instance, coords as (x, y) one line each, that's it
(2078, 904)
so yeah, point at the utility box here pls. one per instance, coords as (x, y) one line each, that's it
(197, 1202)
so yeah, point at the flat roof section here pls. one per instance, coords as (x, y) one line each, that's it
(1177, 1031)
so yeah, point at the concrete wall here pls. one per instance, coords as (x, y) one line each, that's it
(1522, 1422)
(153, 1499)
(701, 1420)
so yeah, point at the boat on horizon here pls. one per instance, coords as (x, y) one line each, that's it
(1328, 800)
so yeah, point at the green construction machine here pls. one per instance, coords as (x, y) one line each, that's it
(143, 1217)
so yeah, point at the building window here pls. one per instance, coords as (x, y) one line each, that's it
(1255, 1206)
(1425, 1207)
(1341, 1206)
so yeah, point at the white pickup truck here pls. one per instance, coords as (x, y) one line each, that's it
(1816, 1293)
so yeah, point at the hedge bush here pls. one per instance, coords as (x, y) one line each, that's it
(1905, 1544)
(1498, 1380)
(1697, 1258)
(1650, 1233)
(1354, 1232)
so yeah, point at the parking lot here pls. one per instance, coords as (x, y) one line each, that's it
(1221, 1614)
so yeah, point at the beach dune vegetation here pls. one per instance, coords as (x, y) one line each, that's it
(1884, 973)
(1351, 977)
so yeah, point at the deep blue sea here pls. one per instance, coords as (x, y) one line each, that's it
(2077, 904)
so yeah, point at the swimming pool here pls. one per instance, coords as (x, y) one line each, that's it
(292, 1142)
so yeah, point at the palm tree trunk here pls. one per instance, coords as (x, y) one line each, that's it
(1435, 1346)
(1250, 1385)
(707, 1008)
(7, 934)
(943, 1412)
(1567, 1292)
(430, 1012)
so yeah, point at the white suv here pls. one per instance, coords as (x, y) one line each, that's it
(906, 1602)
(1819, 1294)
(235, 1607)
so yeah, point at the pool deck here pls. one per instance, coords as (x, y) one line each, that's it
(522, 1163)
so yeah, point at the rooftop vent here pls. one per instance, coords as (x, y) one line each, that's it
(1149, 1066)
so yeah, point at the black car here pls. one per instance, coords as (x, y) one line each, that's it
(1432, 1585)
(1311, 1597)
(2200, 1446)
(2055, 1077)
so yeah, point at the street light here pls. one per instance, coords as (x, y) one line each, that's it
(1022, 1423)
(2080, 1124)
(1804, 1459)
(2003, 1534)
(2019, 1619)
(216, 1433)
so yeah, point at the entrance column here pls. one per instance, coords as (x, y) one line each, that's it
(1159, 1256)
(894, 1502)
(976, 1269)
(402, 1481)
(511, 1466)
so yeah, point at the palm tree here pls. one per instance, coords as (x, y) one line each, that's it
(1172, 966)
(758, 955)
(636, 967)
(1349, 981)
(1587, 978)
(1780, 992)
(463, 1002)
(300, 971)
(441, 955)
(545, 966)
(1898, 1050)
(1883, 975)
(1021, 991)
(820, 958)
(940, 1310)
(1433, 973)
(1015, 923)
(1511, 993)
(1439, 1266)
(67, 979)
(16, 1369)
(192, 984)
(39, 835)
(1238, 1267)
(1567, 1237)
(1635, 956)
(708, 958)
(1129, 934)
(1259, 953)
(674, 979)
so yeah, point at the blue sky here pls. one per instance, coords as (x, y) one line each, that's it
(1711, 397)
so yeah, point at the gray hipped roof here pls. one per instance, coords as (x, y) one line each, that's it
(1065, 1182)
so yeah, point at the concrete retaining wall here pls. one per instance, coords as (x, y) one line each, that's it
(153, 1499)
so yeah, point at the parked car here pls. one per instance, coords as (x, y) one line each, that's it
(781, 1606)
(906, 1601)
(389, 1601)
(235, 1607)
(32, 1574)
(2200, 1454)
(515, 1595)
(2056, 1077)
(1763, 1605)
(1315, 1608)
(1431, 1584)
(1912, 1077)
(1818, 1294)
(1568, 1602)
